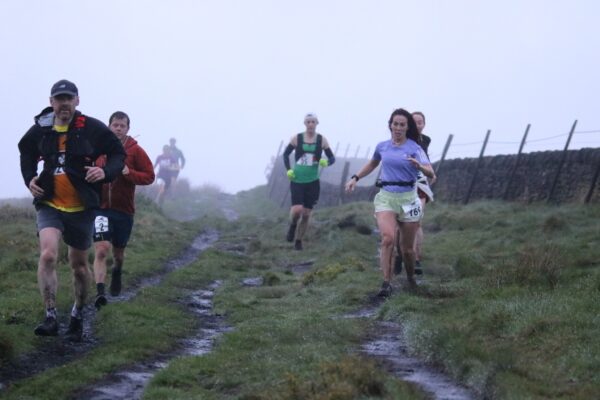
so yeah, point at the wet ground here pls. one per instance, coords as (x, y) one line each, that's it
(55, 351)
(387, 343)
(129, 383)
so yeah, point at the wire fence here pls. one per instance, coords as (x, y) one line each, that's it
(350, 160)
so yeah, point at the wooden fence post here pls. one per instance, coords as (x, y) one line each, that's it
(446, 147)
(272, 177)
(562, 161)
(343, 181)
(479, 161)
(514, 169)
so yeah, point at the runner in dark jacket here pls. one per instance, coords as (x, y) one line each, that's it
(66, 193)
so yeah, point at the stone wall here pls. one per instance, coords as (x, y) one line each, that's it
(532, 180)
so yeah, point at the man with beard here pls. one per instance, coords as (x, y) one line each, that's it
(66, 192)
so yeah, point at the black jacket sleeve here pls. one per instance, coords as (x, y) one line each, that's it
(286, 156)
(29, 156)
(330, 156)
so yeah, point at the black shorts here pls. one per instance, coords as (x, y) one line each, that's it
(76, 227)
(166, 176)
(113, 226)
(305, 194)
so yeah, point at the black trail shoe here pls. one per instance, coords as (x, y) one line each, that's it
(75, 331)
(418, 269)
(47, 328)
(291, 233)
(100, 301)
(115, 282)
(386, 290)
(298, 245)
(398, 265)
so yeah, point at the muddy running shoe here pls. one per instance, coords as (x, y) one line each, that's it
(115, 282)
(100, 301)
(47, 328)
(418, 269)
(75, 331)
(298, 245)
(412, 284)
(291, 233)
(398, 264)
(386, 290)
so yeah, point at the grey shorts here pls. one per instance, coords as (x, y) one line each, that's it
(76, 227)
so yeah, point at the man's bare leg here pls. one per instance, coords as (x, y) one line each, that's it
(47, 279)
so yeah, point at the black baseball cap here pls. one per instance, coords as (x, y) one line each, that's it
(64, 87)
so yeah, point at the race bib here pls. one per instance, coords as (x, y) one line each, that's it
(101, 224)
(306, 159)
(413, 209)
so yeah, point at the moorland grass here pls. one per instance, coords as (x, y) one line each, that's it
(508, 306)
(511, 303)
(21, 307)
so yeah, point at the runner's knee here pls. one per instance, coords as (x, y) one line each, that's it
(101, 250)
(48, 257)
(387, 240)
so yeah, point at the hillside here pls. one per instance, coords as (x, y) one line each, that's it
(507, 306)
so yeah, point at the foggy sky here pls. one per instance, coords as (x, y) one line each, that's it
(232, 79)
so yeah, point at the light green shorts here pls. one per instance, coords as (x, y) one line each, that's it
(406, 205)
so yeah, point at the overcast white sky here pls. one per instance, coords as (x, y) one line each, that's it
(232, 79)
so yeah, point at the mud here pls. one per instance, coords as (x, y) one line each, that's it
(300, 268)
(55, 351)
(387, 344)
(130, 382)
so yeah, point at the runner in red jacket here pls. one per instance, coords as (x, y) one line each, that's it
(114, 221)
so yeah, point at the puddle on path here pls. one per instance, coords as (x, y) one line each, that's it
(301, 267)
(254, 281)
(388, 344)
(55, 351)
(130, 383)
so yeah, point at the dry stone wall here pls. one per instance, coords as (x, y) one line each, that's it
(532, 180)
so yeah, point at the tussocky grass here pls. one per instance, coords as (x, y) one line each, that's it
(512, 299)
(501, 310)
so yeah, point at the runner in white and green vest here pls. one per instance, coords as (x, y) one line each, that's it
(304, 176)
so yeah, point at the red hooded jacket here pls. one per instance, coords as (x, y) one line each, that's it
(120, 194)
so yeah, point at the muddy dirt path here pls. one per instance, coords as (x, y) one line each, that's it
(54, 351)
(387, 344)
(129, 383)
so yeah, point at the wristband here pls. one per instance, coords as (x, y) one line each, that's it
(355, 177)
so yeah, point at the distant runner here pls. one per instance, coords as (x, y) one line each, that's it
(178, 157)
(397, 203)
(423, 190)
(304, 186)
(167, 167)
(66, 192)
(114, 220)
